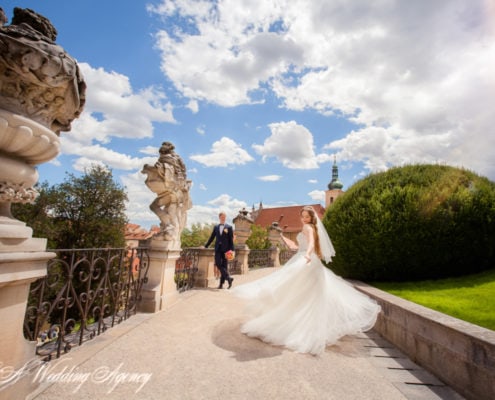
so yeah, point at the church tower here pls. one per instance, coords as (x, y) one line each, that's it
(334, 187)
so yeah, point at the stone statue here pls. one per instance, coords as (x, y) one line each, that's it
(38, 79)
(41, 92)
(168, 179)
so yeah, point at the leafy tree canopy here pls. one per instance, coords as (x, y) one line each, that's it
(81, 212)
(258, 239)
(414, 222)
(197, 236)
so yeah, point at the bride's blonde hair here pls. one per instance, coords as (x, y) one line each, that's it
(312, 213)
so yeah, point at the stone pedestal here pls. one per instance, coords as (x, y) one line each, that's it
(41, 93)
(23, 259)
(161, 290)
(242, 225)
(17, 271)
(205, 276)
(275, 256)
(241, 256)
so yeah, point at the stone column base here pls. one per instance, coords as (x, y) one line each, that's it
(161, 289)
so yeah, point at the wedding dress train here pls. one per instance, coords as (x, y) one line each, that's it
(304, 306)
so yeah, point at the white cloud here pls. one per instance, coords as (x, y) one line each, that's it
(150, 150)
(193, 106)
(312, 181)
(208, 214)
(269, 178)
(139, 199)
(97, 154)
(291, 144)
(223, 153)
(317, 195)
(228, 204)
(416, 77)
(112, 109)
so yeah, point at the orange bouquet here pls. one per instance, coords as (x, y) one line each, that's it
(229, 255)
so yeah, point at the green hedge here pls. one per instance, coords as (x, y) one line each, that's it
(414, 222)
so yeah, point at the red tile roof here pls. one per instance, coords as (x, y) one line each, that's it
(135, 232)
(288, 218)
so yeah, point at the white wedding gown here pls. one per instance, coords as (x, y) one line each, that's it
(305, 306)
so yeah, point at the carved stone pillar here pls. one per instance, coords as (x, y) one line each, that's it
(242, 224)
(168, 179)
(275, 256)
(275, 235)
(206, 269)
(161, 290)
(241, 256)
(41, 92)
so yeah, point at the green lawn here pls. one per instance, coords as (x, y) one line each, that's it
(470, 298)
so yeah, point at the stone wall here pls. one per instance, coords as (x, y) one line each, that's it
(460, 354)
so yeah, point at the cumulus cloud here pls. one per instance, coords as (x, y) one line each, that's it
(228, 204)
(223, 153)
(139, 199)
(291, 144)
(269, 178)
(317, 195)
(113, 109)
(208, 214)
(97, 154)
(200, 130)
(414, 77)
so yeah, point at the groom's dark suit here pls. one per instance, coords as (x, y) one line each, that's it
(224, 241)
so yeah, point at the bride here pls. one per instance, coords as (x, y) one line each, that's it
(304, 306)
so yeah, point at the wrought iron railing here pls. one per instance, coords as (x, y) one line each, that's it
(85, 292)
(186, 268)
(260, 259)
(285, 255)
(234, 267)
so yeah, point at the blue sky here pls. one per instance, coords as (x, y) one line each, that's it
(259, 96)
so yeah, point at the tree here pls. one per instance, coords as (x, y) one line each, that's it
(81, 212)
(197, 236)
(38, 214)
(414, 222)
(258, 239)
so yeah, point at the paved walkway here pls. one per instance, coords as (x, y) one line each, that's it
(194, 350)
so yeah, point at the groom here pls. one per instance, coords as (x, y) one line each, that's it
(224, 241)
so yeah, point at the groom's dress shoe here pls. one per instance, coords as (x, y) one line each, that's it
(230, 282)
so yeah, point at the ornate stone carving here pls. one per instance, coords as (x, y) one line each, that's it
(242, 224)
(168, 179)
(38, 78)
(16, 193)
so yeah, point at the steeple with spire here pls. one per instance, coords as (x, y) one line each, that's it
(334, 187)
(335, 183)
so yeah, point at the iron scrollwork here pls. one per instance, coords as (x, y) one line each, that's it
(186, 268)
(260, 259)
(85, 292)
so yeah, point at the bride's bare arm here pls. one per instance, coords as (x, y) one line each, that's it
(308, 231)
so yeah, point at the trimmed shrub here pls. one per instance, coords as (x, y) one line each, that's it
(414, 222)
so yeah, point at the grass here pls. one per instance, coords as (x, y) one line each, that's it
(470, 298)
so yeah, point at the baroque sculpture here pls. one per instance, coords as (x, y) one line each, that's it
(168, 179)
(38, 79)
(41, 92)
